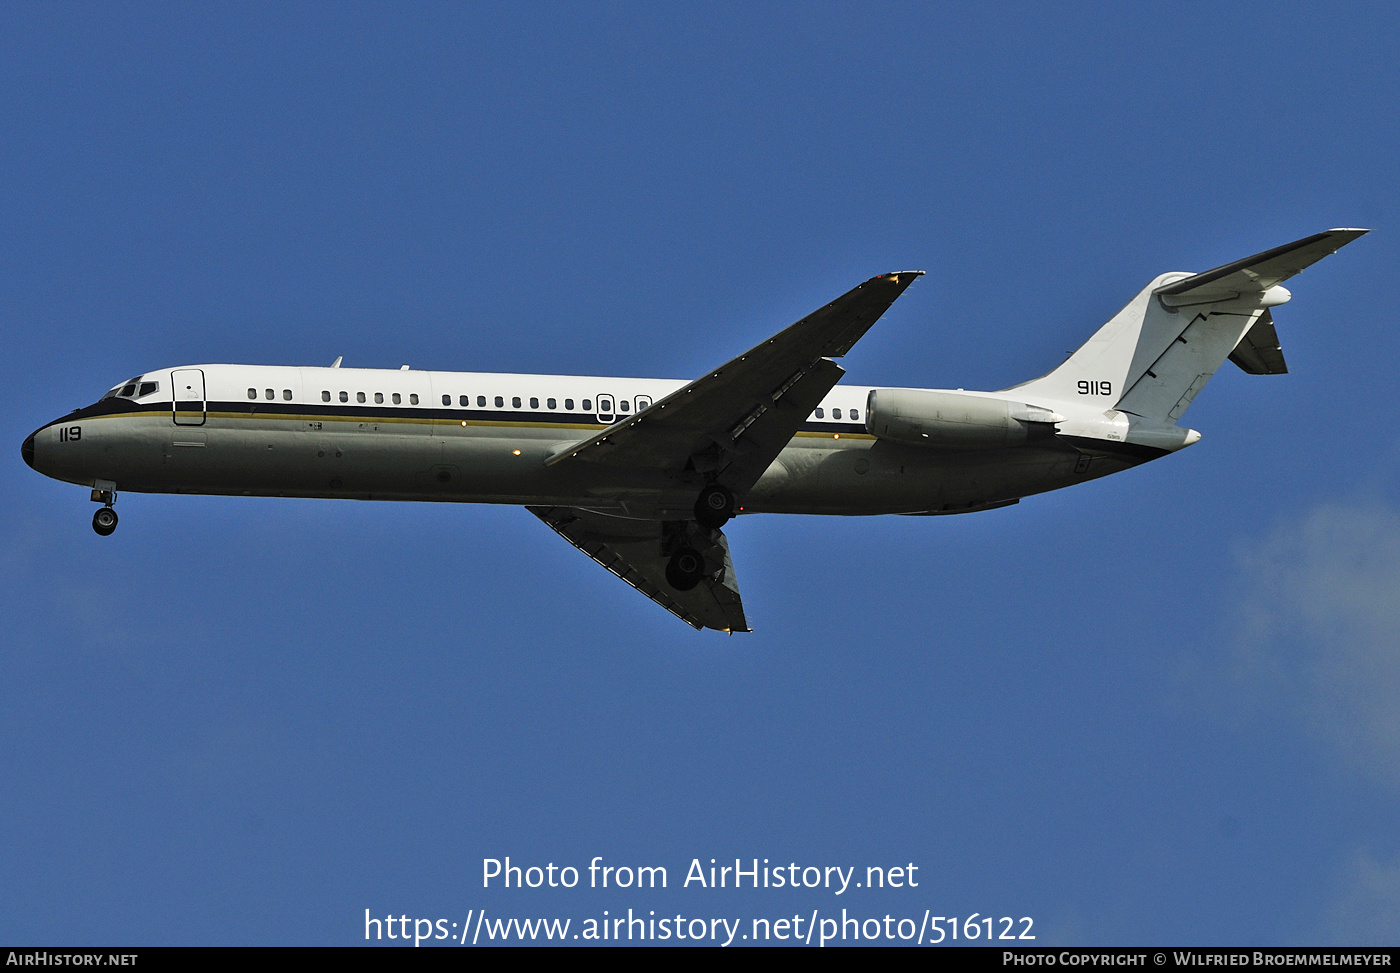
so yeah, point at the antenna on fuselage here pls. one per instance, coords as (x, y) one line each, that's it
(338, 360)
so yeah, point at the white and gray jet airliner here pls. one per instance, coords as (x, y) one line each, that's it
(642, 474)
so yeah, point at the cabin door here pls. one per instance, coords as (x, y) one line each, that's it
(189, 396)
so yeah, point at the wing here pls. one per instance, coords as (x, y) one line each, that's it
(1255, 274)
(637, 551)
(735, 420)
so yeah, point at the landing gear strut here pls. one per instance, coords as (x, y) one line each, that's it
(714, 506)
(105, 520)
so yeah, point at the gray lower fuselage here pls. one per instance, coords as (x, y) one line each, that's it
(466, 454)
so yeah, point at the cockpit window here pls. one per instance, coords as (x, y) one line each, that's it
(147, 388)
(126, 390)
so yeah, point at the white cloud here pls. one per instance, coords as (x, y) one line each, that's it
(1368, 909)
(1322, 629)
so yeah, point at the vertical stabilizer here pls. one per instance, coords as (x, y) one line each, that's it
(1110, 362)
(1155, 355)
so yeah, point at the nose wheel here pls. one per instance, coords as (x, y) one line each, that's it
(104, 521)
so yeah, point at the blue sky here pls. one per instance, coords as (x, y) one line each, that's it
(1157, 708)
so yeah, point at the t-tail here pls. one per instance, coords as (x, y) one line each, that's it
(1154, 357)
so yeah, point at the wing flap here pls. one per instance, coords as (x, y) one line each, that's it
(1256, 274)
(634, 550)
(741, 414)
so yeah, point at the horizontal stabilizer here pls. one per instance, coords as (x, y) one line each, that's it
(1258, 352)
(1256, 274)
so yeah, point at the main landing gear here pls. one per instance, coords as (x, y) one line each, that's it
(685, 569)
(105, 520)
(714, 506)
(689, 543)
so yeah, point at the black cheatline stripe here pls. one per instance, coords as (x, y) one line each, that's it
(109, 407)
(842, 427)
(371, 413)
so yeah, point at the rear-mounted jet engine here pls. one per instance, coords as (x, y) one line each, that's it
(955, 420)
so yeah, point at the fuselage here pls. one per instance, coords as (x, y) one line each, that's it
(407, 434)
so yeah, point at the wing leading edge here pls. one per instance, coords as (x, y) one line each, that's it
(736, 419)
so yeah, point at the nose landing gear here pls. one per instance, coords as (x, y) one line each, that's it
(104, 521)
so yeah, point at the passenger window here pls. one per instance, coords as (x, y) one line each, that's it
(500, 402)
(464, 400)
(286, 395)
(569, 404)
(481, 400)
(378, 397)
(550, 404)
(515, 401)
(325, 396)
(855, 414)
(397, 398)
(624, 406)
(836, 413)
(252, 393)
(359, 396)
(269, 394)
(534, 402)
(148, 387)
(413, 398)
(820, 413)
(643, 402)
(587, 405)
(447, 400)
(605, 407)
(345, 396)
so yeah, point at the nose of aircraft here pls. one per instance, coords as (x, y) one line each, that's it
(27, 451)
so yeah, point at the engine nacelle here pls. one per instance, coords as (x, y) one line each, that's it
(955, 420)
